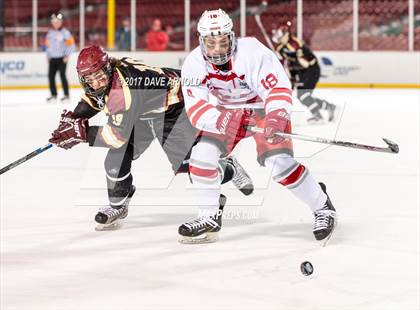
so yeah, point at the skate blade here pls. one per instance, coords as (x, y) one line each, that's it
(324, 242)
(108, 227)
(206, 238)
(247, 190)
(316, 123)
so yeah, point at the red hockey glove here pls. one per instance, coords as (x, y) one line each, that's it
(231, 123)
(275, 121)
(70, 131)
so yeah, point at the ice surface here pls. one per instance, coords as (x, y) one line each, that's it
(51, 257)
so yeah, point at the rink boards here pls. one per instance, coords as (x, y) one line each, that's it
(339, 69)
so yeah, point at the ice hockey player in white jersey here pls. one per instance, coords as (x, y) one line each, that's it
(252, 89)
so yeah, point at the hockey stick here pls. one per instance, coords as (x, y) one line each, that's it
(25, 158)
(392, 146)
(257, 15)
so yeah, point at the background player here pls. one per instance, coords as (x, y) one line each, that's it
(142, 103)
(251, 88)
(304, 71)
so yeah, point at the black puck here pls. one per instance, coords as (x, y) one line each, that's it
(306, 268)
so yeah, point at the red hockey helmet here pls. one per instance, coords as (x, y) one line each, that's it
(90, 60)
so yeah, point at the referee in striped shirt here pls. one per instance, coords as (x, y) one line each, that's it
(59, 45)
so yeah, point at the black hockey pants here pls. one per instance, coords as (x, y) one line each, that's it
(307, 79)
(174, 133)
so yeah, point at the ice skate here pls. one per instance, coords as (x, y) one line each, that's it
(332, 111)
(325, 220)
(240, 179)
(203, 229)
(52, 99)
(109, 218)
(315, 119)
(65, 99)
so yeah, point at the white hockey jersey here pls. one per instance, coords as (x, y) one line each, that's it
(255, 80)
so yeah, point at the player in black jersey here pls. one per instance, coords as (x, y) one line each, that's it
(142, 103)
(304, 71)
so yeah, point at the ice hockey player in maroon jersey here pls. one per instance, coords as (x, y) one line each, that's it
(142, 103)
(304, 72)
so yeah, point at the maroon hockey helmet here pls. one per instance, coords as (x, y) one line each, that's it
(90, 60)
(281, 31)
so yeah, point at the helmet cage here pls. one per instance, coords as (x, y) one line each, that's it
(215, 23)
(100, 92)
(278, 34)
(219, 60)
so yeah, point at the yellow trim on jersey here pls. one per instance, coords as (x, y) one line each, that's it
(126, 90)
(299, 42)
(89, 102)
(140, 66)
(290, 47)
(171, 97)
(106, 107)
(173, 92)
(110, 138)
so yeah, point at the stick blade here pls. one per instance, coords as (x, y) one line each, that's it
(392, 145)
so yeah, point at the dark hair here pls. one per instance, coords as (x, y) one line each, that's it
(114, 62)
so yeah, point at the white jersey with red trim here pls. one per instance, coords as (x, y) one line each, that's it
(255, 79)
